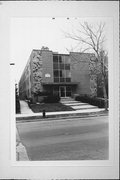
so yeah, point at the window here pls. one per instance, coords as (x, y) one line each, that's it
(68, 74)
(62, 66)
(63, 73)
(60, 73)
(68, 91)
(67, 60)
(68, 79)
(55, 66)
(56, 73)
(67, 66)
(55, 59)
(62, 79)
(56, 79)
(60, 59)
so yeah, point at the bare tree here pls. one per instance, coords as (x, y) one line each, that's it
(92, 38)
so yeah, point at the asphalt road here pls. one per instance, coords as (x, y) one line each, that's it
(68, 139)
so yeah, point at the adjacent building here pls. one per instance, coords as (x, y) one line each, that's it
(63, 74)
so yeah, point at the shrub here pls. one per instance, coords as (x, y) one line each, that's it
(42, 93)
(17, 106)
(52, 99)
(100, 102)
(30, 100)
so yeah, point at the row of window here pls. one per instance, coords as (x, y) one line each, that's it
(61, 62)
(62, 79)
(61, 59)
(62, 73)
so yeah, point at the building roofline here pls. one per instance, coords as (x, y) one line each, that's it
(82, 53)
(54, 53)
(57, 53)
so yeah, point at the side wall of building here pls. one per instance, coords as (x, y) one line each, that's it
(38, 70)
(25, 83)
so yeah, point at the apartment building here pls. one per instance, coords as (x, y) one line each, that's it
(63, 74)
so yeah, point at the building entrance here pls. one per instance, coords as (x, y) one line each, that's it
(64, 91)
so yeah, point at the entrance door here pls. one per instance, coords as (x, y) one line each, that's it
(62, 91)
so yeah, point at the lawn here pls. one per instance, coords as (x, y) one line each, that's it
(49, 107)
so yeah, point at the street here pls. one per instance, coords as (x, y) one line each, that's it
(66, 139)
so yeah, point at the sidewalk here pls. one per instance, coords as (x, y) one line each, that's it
(25, 108)
(81, 109)
(21, 153)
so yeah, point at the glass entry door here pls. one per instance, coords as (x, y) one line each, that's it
(62, 91)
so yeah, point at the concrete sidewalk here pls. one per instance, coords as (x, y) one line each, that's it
(27, 113)
(25, 108)
(21, 153)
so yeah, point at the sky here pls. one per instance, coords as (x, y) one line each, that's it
(31, 33)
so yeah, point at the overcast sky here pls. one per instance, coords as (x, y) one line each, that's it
(32, 33)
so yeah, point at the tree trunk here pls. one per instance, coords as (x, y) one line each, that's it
(105, 94)
(103, 78)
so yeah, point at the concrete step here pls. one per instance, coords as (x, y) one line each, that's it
(68, 102)
(84, 107)
(66, 98)
(75, 104)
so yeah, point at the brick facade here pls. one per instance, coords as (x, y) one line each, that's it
(40, 74)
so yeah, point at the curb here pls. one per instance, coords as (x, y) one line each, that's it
(60, 116)
(21, 153)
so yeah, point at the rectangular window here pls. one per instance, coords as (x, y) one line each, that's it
(56, 73)
(67, 60)
(63, 60)
(62, 79)
(55, 59)
(60, 59)
(55, 66)
(67, 66)
(62, 73)
(68, 79)
(56, 79)
(68, 88)
(61, 66)
(68, 74)
(68, 91)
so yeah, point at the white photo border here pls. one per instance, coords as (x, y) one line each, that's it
(63, 9)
